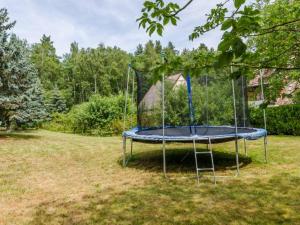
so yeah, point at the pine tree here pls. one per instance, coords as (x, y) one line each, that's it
(33, 110)
(56, 102)
(170, 50)
(139, 50)
(158, 47)
(20, 95)
(171, 46)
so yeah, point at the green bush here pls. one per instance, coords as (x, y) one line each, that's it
(280, 120)
(59, 122)
(100, 116)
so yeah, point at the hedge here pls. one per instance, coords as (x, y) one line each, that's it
(280, 120)
(104, 116)
(99, 116)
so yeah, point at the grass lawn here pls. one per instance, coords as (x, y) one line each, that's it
(54, 178)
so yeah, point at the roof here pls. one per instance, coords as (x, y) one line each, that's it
(287, 91)
(285, 94)
(174, 78)
(255, 82)
(152, 97)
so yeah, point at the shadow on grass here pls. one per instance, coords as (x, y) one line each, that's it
(272, 201)
(183, 160)
(19, 135)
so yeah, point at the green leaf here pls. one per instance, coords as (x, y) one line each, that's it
(224, 45)
(226, 41)
(238, 3)
(225, 58)
(159, 30)
(166, 21)
(238, 47)
(173, 21)
(151, 30)
(227, 24)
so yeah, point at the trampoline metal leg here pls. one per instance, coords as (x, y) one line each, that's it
(212, 161)
(237, 156)
(245, 147)
(196, 161)
(164, 158)
(265, 148)
(131, 146)
(124, 151)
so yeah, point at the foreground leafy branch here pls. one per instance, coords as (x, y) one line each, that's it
(245, 22)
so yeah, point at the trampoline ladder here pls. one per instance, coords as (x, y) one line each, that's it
(199, 169)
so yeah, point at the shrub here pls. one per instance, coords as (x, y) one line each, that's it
(59, 122)
(280, 120)
(100, 116)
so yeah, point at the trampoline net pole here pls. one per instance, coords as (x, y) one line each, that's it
(163, 118)
(244, 101)
(264, 113)
(126, 98)
(190, 104)
(263, 97)
(235, 121)
(206, 100)
(234, 106)
(132, 100)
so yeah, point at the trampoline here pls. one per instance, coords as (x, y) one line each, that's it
(212, 109)
(202, 134)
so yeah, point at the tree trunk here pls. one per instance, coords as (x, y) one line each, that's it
(74, 92)
(11, 125)
(95, 83)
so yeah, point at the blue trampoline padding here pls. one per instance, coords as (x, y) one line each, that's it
(217, 134)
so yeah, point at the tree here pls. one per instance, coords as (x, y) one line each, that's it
(158, 47)
(21, 101)
(149, 58)
(92, 71)
(56, 102)
(238, 26)
(171, 48)
(47, 62)
(70, 73)
(33, 111)
(255, 36)
(139, 50)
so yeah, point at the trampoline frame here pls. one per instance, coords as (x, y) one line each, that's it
(131, 134)
(204, 139)
(217, 138)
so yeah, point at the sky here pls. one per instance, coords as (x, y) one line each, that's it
(111, 22)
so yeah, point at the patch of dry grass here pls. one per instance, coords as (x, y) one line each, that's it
(54, 178)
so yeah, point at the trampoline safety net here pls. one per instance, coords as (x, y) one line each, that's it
(207, 99)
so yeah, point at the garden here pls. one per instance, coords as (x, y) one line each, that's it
(56, 178)
(65, 118)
